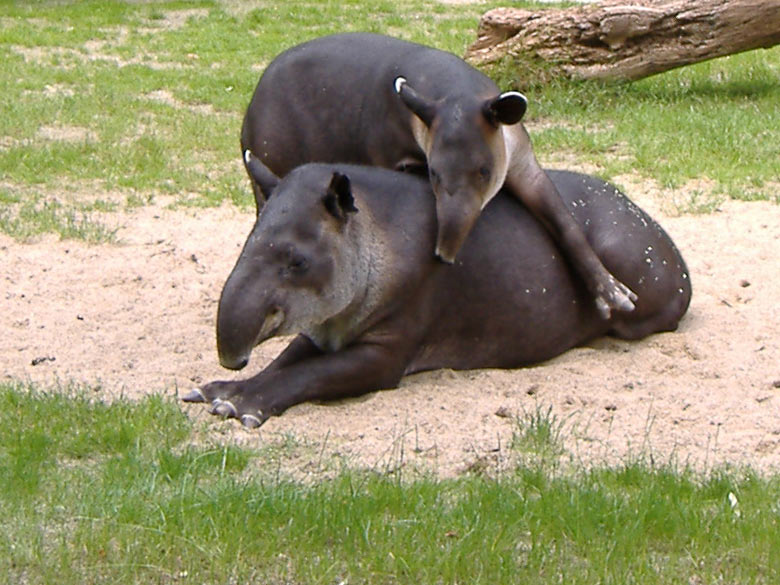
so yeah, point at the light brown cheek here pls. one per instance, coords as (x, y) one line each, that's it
(497, 177)
(422, 135)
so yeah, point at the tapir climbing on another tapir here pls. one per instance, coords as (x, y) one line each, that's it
(343, 256)
(375, 100)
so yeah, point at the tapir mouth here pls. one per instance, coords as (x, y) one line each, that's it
(234, 363)
(446, 257)
(274, 319)
(238, 359)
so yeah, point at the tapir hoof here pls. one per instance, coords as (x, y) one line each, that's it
(253, 422)
(224, 408)
(617, 298)
(194, 396)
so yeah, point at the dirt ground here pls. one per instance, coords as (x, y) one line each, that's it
(138, 318)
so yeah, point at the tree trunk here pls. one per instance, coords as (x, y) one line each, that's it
(620, 39)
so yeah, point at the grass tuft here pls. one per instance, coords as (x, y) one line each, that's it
(30, 219)
(539, 432)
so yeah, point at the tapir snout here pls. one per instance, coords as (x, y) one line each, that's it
(245, 317)
(456, 214)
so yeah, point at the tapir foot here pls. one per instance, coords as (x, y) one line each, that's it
(212, 392)
(250, 416)
(230, 400)
(614, 296)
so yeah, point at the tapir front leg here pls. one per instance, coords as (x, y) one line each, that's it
(300, 348)
(528, 181)
(355, 370)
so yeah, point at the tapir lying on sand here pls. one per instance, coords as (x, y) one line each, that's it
(342, 256)
(375, 100)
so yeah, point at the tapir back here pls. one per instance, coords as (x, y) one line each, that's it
(332, 100)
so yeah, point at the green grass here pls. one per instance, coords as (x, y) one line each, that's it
(208, 64)
(148, 98)
(125, 493)
(717, 120)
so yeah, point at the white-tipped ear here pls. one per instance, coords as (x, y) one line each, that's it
(514, 94)
(422, 107)
(508, 108)
(247, 155)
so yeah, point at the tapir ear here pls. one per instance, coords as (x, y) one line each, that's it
(339, 200)
(508, 108)
(261, 175)
(422, 107)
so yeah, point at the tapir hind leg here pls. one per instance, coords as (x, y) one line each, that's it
(644, 257)
(527, 181)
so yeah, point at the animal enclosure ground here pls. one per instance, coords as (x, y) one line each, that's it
(137, 317)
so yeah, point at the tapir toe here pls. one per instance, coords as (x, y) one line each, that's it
(224, 408)
(194, 395)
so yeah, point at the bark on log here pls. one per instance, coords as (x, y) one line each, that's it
(620, 39)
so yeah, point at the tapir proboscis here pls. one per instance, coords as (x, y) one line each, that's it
(375, 100)
(343, 257)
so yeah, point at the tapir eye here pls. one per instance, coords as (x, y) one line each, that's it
(484, 173)
(298, 263)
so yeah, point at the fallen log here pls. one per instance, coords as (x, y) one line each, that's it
(619, 39)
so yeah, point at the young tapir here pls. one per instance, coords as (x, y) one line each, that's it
(375, 100)
(343, 256)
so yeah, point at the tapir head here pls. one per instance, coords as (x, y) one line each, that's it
(288, 278)
(466, 152)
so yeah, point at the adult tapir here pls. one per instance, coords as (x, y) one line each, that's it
(376, 100)
(343, 256)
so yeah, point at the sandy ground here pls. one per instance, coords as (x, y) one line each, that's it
(138, 318)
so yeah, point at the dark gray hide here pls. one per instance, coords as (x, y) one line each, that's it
(343, 255)
(375, 100)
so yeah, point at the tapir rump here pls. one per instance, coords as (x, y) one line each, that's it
(375, 100)
(343, 257)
